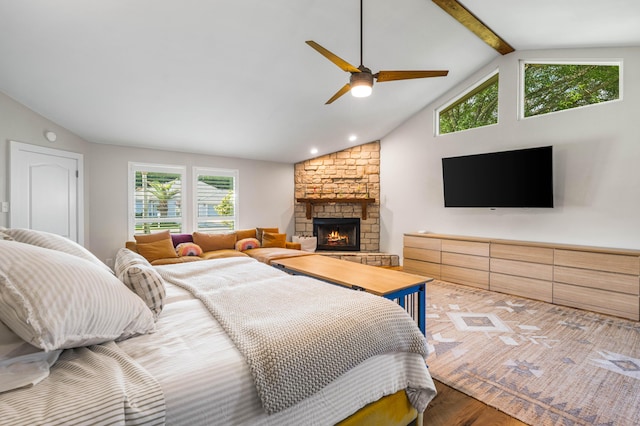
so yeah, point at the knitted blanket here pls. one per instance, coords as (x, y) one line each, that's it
(297, 334)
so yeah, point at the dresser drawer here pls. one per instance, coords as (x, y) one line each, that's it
(465, 276)
(607, 302)
(466, 247)
(465, 261)
(522, 269)
(425, 269)
(422, 242)
(521, 286)
(620, 283)
(421, 254)
(598, 261)
(522, 253)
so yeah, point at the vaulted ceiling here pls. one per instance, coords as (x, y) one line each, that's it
(235, 78)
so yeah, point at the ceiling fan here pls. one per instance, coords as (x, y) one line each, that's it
(361, 80)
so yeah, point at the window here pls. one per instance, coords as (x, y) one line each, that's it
(215, 195)
(476, 107)
(551, 87)
(155, 198)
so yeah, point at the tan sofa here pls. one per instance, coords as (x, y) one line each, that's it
(263, 244)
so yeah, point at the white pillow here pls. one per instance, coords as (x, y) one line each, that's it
(22, 364)
(306, 243)
(55, 300)
(142, 278)
(54, 242)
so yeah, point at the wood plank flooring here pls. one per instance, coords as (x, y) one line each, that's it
(453, 408)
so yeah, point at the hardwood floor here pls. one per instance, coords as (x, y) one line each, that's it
(453, 408)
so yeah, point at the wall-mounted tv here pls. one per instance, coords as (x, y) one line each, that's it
(519, 178)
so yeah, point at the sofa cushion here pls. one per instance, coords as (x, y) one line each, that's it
(247, 243)
(210, 242)
(260, 231)
(267, 255)
(150, 238)
(220, 254)
(273, 240)
(178, 239)
(241, 234)
(173, 260)
(159, 249)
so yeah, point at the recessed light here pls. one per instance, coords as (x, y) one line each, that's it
(353, 138)
(314, 150)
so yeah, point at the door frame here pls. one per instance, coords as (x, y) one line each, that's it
(16, 147)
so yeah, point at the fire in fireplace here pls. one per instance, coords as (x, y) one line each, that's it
(337, 234)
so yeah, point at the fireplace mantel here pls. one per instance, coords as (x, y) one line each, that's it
(310, 202)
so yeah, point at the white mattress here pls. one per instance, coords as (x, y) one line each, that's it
(207, 382)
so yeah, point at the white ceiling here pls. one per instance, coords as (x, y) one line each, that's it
(235, 78)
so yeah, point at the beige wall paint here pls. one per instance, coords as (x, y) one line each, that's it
(596, 165)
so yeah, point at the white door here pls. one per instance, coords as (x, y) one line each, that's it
(46, 190)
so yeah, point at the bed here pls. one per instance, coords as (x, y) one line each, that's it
(224, 341)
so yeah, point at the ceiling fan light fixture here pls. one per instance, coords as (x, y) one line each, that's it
(361, 84)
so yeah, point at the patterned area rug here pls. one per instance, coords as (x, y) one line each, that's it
(540, 363)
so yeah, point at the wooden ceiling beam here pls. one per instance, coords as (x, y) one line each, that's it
(473, 24)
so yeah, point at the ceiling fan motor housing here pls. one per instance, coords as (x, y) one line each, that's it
(363, 79)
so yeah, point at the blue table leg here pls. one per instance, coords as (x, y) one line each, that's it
(422, 309)
(420, 290)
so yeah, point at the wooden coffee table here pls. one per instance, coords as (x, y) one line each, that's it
(394, 285)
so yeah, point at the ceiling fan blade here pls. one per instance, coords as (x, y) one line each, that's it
(344, 65)
(339, 93)
(406, 75)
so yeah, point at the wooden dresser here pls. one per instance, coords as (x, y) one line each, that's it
(597, 279)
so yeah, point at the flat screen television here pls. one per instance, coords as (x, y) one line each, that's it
(519, 178)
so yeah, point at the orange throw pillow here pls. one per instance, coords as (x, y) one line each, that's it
(260, 231)
(150, 238)
(274, 240)
(211, 242)
(155, 250)
(242, 234)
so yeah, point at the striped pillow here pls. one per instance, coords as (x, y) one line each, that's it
(55, 300)
(54, 242)
(138, 274)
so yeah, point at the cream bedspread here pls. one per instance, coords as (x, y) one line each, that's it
(267, 318)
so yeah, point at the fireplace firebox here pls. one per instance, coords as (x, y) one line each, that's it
(337, 234)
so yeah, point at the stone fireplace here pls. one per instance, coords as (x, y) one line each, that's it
(337, 234)
(343, 185)
(342, 181)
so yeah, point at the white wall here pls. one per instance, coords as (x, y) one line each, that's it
(21, 124)
(265, 191)
(596, 165)
(265, 188)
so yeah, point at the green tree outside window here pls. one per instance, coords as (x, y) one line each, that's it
(476, 108)
(556, 87)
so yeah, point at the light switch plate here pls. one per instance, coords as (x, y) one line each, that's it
(5, 207)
